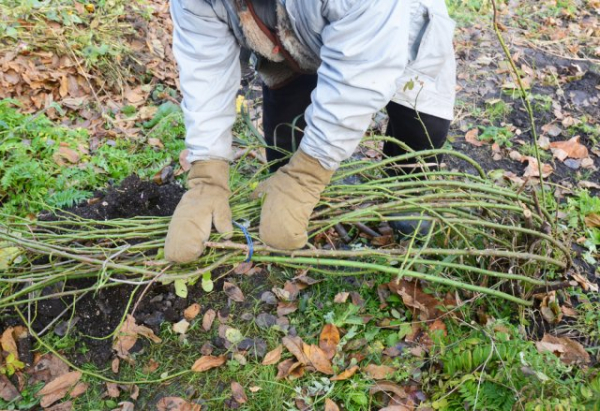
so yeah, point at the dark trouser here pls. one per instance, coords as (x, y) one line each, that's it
(283, 124)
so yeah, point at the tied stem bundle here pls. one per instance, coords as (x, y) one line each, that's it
(484, 239)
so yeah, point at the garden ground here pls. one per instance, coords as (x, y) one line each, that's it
(95, 102)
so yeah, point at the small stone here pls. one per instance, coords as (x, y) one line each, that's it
(219, 342)
(64, 326)
(156, 299)
(573, 164)
(245, 344)
(156, 318)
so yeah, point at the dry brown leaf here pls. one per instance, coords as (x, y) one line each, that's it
(584, 282)
(176, 404)
(318, 358)
(238, 393)
(438, 325)
(125, 406)
(79, 389)
(592, 220)
(341, 298)
(146, 112)
(208, 362)
(344, 375)
(388, 387)
(134, 96)
(509, 175)
(128, 334)
(569, 149)
(155, 142)
(283, 368)
(181, 327)
(295, 346)
(588, 184)
(532, 169)
(569, 312)
(273, 356)
(112, 390)
(151, 366)
(243, 268)
(379, 372)
(208, 319)
(569, 351)
(114, 365)
(233, 292)
(58, 388)
(588, 163)
(330, 405)
(329, 339)
(66, 153)
(183, 162)
(8, 392)
(543, 143)
(471, 137)
(305, 281)
(134, 392)
(297, 371)
(8, 343)
(285, 308)
(47, 368)
(413, 297)
(397, 408)
(515, 155)
(289, 368)
(191, 312)
(552, 129)
(63, 406)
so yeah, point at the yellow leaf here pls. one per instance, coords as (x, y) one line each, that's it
(7, 256)
(239, 103)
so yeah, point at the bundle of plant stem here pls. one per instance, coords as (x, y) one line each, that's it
(484, 240)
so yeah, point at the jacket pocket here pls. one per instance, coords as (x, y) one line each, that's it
(436, 46)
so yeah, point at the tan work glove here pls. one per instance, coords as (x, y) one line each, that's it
(290, 195)
(205, 203)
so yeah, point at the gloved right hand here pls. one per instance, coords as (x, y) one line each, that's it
(206, 203)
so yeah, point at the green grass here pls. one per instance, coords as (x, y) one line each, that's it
(35, 175)
(491, 366)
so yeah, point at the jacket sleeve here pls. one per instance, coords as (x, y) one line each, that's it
(207, 54)
(364, 54)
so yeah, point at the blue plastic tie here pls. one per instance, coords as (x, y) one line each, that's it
(248, 240)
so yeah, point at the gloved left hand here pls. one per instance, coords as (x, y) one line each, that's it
(290, 196)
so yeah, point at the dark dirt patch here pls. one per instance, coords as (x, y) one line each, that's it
(96, 315)
(481, 80)
(133, 197)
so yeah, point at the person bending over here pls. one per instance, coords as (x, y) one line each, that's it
(327, 67)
